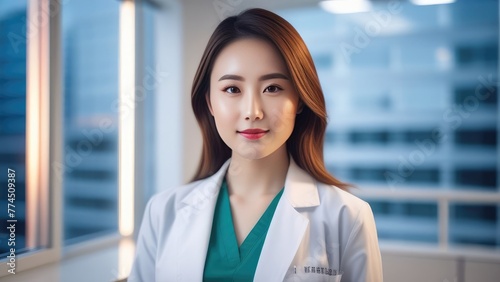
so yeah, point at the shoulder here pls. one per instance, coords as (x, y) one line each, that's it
(334, 195)
(171, 198)
(345, 205)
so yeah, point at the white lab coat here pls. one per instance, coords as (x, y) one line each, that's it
(315, 228)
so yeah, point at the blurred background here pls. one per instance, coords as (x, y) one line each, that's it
(411, 91)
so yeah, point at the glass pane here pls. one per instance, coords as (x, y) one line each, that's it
(406, 221)
(90, 44)
(12, 125)
(475, 224)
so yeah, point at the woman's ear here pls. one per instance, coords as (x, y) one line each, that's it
(300, 107)
(207, 98)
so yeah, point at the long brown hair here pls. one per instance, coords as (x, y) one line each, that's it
(306, 141)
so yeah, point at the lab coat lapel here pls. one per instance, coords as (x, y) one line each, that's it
(195, 226)
(288, 226)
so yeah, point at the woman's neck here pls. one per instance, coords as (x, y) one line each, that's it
(256, 178)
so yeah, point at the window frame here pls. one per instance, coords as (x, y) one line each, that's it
(43, 138)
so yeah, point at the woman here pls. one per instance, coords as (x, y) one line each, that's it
(262, 206)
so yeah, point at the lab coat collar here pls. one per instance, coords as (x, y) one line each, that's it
(283, 238)
(208, 189)
(300, 187)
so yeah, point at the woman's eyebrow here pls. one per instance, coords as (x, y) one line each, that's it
(262, 78)
(273, 76)
(231, 77)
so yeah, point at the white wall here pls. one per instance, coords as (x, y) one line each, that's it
(169, 109)
(198, 23)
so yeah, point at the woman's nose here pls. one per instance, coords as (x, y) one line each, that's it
(253, 107)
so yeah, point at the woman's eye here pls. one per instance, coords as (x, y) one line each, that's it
(273, 89)
(232, 89)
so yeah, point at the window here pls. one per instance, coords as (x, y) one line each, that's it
(411, 93)
(29, 125)
(90, 45)
(73, 51)
(403, 219)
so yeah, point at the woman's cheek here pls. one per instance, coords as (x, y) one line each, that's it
(284, 117)
(227, 110)
(226, 115)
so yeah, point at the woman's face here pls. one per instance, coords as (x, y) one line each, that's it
(252, 98)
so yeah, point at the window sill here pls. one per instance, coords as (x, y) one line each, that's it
(107, 259)
(433, 250)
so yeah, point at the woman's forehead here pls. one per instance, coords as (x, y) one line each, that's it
(248, 57)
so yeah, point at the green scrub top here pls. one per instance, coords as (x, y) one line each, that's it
(226, 261)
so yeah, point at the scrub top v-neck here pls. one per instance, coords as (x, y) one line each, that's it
(226, 261)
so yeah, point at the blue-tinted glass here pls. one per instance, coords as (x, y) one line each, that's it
(406, 221)
(90, 45)
(12, 125)
(475, 224)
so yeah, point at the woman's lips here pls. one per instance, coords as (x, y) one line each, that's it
(253, 133)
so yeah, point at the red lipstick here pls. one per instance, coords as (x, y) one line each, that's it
(253, 133)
